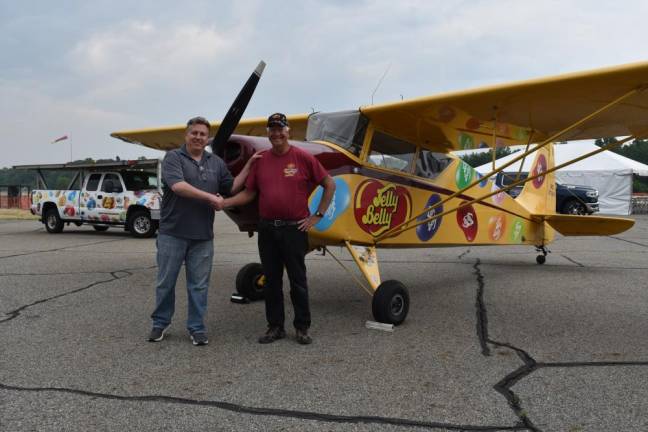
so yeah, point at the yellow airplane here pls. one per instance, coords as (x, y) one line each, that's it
(398, 185)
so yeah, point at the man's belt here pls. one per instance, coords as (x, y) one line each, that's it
(277, 222)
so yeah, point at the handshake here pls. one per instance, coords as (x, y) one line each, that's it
(217, 202)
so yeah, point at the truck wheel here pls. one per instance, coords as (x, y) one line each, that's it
(390, 302)
(574, 207)
(140, 224)
(100, 228)
(53, 222)
(250, 281)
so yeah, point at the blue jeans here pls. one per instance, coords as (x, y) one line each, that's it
(197, 256)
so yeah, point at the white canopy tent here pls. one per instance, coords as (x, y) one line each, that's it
(608, 172)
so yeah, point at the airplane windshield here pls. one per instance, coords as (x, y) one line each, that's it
(345, 128)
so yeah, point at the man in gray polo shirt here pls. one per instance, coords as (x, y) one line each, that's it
(193, 181)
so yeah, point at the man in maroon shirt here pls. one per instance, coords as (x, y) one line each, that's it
(284, 178)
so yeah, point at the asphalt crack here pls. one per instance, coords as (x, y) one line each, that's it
(274, 412)
(529, 364)
(629, 241)
(115, 275)
(572, 260)
(464, 254)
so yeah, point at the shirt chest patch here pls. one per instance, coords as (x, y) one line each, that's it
(290, 170)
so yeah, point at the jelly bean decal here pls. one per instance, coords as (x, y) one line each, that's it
(467, 221)
(339, 204)
(427, 230)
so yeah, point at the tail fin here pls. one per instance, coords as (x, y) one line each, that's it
(539, 195)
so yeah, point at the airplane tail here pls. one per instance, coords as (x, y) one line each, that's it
(539, 195)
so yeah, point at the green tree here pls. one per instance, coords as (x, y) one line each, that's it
(477, 159)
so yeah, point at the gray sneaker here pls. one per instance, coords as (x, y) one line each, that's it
(157, 334)
(199, 338)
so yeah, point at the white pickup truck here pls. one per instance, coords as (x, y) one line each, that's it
(123, 193)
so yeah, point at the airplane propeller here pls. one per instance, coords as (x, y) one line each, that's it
(233, 116)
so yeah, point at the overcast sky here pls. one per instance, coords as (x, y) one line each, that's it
(88, 68)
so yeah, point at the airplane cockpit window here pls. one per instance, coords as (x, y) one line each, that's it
(345, 128)
(430, 164)
(392, 153)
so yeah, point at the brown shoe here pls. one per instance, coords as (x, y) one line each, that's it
(273, 334)
(302, 337)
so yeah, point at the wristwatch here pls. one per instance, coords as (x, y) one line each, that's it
(319, 214)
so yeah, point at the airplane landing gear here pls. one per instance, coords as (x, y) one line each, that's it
(390, 302)
(540, 259)
(250, 281)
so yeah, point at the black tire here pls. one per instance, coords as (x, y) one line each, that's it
(250, 282)
(390, 303)
(540, 259)
(140, 224)
(53, 222)
(100, 228)
(574, 207)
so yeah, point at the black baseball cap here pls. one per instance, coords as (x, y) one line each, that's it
(277, 119)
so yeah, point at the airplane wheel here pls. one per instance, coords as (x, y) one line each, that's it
(250, 281)
(540, 259)
(390, 302)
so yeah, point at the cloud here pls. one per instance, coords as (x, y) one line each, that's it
(31, 119)
(92, 69)
(137, 55)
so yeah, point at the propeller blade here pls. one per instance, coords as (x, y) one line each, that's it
(233, 116)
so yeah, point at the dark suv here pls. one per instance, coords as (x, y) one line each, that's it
(570, 199)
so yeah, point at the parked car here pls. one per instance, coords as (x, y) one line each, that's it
(122, 194)
(570, 199)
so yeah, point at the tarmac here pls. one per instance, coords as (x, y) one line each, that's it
(493, 341)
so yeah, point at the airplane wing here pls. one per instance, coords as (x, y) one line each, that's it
(525, 111)
(170, 137)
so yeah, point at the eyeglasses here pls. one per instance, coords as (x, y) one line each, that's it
(198, 120)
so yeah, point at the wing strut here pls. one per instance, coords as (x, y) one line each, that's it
(406, 225)
(402, 227)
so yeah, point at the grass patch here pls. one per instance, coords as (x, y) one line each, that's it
(12, 214)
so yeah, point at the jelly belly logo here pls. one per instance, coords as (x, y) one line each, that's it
(467, 221)
(496, 226)
(539, 168)
(338, 205)
(379, 207)
(427, 230)
(517, 230)
(463, 175)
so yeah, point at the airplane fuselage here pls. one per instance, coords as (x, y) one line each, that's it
(370, 200)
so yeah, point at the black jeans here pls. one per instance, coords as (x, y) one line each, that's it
(279, 247)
